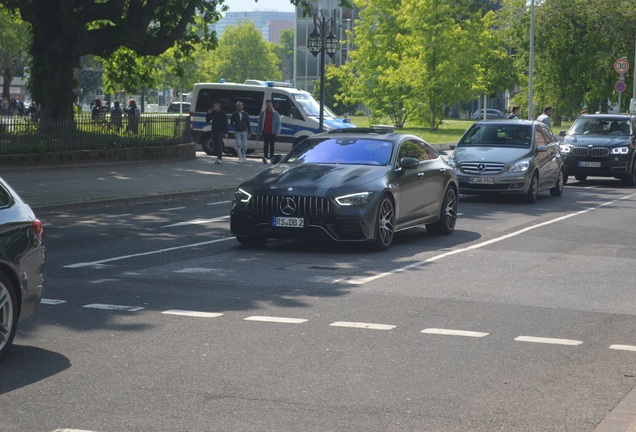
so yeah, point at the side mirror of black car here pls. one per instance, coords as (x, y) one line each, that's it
(409, 163)
(562, 133)
(276, 159)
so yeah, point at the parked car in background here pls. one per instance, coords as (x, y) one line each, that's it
(22, 263)
(508, 157)
(601, 145)
(354, 185)
(174, 107)
(490, 114)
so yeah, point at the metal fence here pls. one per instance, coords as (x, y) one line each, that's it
(26, 134)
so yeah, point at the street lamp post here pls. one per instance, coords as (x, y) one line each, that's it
(322, 40)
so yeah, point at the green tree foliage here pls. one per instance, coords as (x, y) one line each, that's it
(285, 52)
(576, 45)
(13, 47)
(335, 79)
(244, 54)
(416, 58)
(65, 31)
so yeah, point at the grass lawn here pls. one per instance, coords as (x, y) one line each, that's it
(449, 132)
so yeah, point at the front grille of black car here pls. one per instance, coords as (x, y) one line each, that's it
(486, 168)
(299, 206)
(599, 152)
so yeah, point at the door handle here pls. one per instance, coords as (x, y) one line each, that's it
(420, 174)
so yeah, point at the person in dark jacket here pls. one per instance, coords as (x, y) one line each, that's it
(133, 117)
(218, 118)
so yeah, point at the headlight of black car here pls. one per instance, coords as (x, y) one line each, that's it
(357, 199)
(620, 150)
(241, 196)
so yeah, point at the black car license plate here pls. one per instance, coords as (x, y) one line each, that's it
(288, 222)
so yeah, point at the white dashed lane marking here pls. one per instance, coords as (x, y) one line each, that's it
(345, 324)
(545, 340)
(197, 222)
(110, 307)
(623, 347)
(276, 319)
(362, 325)
(192, 313)
(449, 332)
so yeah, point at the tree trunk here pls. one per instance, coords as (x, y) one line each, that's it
(7, 76)
(54, 54)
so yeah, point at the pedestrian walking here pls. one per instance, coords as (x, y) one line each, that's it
(240, 121)
(269, 127)
(218, 118)
(545, 117)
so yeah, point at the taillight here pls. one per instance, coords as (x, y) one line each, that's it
(37, 229)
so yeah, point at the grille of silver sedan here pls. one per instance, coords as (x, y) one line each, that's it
(481, 167)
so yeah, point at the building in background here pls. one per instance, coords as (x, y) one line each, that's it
(306, 66)
(269, 23)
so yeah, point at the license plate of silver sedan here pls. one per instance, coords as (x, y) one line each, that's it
(481, 180)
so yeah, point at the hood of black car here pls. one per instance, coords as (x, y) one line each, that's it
(313, 179)
(597, 141)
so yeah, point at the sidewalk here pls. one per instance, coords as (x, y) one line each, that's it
(62, 187)
(84, 186)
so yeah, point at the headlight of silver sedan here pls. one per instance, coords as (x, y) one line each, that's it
(521, 166)
(357, 199)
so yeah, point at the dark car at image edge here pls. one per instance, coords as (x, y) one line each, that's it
(601, 145)
(348, 185)
(22, 263)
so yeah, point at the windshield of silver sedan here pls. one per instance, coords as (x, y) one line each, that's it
(601, 126)
(489, 135)
(350, 151)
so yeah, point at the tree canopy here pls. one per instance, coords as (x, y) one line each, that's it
(65, 31)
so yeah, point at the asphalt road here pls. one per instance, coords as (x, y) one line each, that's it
(155, 319)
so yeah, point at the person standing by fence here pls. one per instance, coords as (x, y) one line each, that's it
(133, 117)
(115, 116)
(240, 121)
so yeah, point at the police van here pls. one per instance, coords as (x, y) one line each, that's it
(299, 113)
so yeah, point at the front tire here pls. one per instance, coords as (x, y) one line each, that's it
(8, 314)
(557, 190)
(448, 214)
(533, 190)
(384, 224)
(630, 179)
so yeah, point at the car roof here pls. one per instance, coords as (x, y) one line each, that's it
(607, 116)
(374, 132)
(508, 122)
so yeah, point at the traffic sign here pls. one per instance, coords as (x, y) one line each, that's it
(620, 86)
(621, 65)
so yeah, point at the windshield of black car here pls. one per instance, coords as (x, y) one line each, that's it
(505, 135)
(601, 126)
(339, 150)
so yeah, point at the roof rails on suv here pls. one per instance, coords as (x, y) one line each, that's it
(375, 129)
